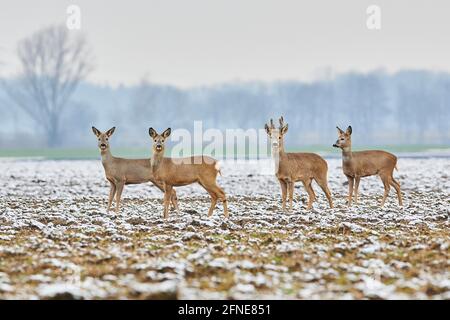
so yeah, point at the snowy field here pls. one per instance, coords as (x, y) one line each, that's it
(58, 241)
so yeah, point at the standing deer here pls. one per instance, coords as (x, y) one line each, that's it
(293, 167)
(366, 163)
(120, 172)
(183, 171)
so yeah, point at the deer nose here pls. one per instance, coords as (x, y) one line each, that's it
(335, 145)
(103, 145)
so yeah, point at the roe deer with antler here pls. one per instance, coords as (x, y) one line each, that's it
(120, 172)
(293, 167)
(366, 163)
(174, 172)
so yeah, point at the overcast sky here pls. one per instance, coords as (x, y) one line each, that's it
(202, 42)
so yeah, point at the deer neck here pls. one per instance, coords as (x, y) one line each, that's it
(156, 160)
(347, 154)
(281, 151)
(278, 155)
(106, 156)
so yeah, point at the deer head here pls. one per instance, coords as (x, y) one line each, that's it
(159, 140)
(103, 138)
(276, 135)
(344, 138)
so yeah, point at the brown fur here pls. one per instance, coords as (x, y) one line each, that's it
(120, 172)
(293, 167)
(183, 171)
(366, 163)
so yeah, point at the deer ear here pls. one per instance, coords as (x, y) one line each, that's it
(284, 129)
(349, 130)
(166, 132)
(96, 131)
(340, 131)
(110, 131)
(152, 132)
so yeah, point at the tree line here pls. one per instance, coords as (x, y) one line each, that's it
(49, 103)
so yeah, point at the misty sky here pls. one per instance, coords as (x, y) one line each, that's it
(202, 42)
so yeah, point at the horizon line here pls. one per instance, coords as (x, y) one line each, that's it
(329, 75)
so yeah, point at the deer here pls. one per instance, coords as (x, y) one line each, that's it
(120, 172)
(175, 172)
(293, 167)
(357, 165)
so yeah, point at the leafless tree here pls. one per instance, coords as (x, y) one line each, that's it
(53, 62)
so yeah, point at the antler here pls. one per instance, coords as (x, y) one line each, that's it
(281, 120)
(272, 126)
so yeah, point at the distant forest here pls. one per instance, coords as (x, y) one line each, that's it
(408, 107)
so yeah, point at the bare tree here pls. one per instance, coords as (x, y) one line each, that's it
(53, 62)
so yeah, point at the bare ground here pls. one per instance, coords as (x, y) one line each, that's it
(58, 241)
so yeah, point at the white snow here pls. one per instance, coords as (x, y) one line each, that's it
(58, 208)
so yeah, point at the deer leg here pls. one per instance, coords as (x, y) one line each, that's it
(213, 203)
(167, 195)
(313, 192)
(350, 190)
(291, 194)
(216, 193)
(225, 208)
(324, 186)
(356, 188)
(112, 192)
(221, 196)
(310, 191)
(387, 187)
(213, 198)
(283, 193)
(174, 201)
(396, 186)
(313, 198)
(119, 195)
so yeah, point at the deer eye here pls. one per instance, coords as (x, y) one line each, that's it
(162, 141)
(154, 140)
(279, 138)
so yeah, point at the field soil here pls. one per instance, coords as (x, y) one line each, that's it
(57, 241)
